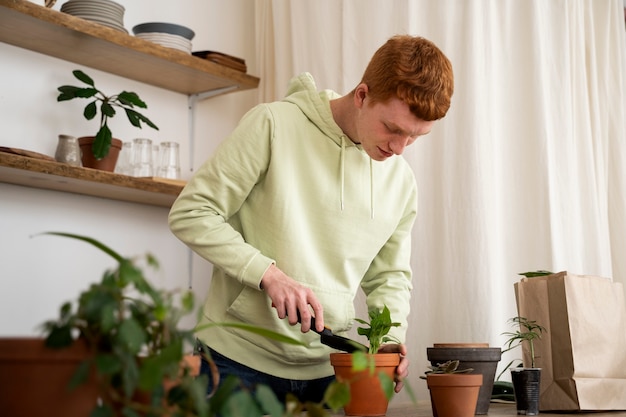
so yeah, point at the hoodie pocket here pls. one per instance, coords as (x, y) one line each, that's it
(254, 307)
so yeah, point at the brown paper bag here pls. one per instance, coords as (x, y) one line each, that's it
(583, 352)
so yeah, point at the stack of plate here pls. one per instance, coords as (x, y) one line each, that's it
(166, 34)
(104, 12)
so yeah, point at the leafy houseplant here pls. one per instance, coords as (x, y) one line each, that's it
(366, 379)
(525, 380)
(137, 347)
(453, 391)
(108, 103)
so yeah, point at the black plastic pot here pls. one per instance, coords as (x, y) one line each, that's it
(526, 384)
(480, 357)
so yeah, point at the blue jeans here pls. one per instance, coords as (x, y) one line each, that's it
(305, 390)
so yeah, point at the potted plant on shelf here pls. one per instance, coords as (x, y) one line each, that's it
(453, 391)
(118, 350)
(368, 376)
(527, 377)
(101, 151)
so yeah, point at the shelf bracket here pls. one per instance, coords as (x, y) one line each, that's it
(192, 99)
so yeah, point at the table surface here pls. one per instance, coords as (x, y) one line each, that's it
(423, 409)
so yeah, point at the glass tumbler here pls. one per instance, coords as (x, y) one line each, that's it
(142, 158)
(124, 164)
(169, 166)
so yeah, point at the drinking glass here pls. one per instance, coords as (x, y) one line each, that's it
(142, 158)
(169, 166)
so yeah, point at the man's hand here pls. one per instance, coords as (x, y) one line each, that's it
(289, 297)
(402, 371)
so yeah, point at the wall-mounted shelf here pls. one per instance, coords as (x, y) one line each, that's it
(37, 28)
(50, 175)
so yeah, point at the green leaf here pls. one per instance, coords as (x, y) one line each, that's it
(107, 364)
(81, 374)
(242, 403)
(539, 273)
(132, 335)
(136, 118)
(386, 384)
(268, 401)
(104, 248)
(337, 395)
(131, 99)
(255, 329)
(83, 77)
(90, 110)
(102, 144)
(107, 109)
(59, 336)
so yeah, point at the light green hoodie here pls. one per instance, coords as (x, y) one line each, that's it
(289, 187)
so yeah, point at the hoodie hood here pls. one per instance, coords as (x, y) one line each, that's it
(315, 105)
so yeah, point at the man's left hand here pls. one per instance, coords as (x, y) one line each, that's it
(402, 371)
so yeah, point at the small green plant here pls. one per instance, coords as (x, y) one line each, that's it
(125, 100)
(449, 367)
(527, 331)
(377, 329)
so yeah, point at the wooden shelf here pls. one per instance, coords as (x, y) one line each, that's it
(50, 175)
(37, 28)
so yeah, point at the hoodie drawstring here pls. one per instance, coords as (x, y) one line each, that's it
(342, 173)
(343, 163)
(371, 189)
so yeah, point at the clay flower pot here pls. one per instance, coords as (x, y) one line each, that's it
(454, 395)
(478, 356)
(105, 164)
(366, 394)
(35, 379)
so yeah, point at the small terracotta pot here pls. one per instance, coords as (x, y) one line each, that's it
(454, 395)
(366, 394)
(478, 356)
(105, 164)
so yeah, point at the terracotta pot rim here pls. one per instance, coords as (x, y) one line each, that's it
(381, 359)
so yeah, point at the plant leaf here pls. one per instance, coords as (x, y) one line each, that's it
(90, 110)
(104, 248)
(107, 109)
(83, 77)
(136, 118)
(255, 329)
(337, 395)
(131, 99)
(102, 144)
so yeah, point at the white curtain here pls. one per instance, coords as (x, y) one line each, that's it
(528, 169)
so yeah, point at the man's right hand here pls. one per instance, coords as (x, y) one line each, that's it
(290, 298)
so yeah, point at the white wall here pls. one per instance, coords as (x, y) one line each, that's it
(38, 274)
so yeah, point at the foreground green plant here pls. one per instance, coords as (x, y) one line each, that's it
(125, 100)
(133, 332)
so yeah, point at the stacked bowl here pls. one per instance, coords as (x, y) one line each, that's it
(169, 35)
(104, 12)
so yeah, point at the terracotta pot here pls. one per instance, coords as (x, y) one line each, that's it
(478, 356)
(105, 164)
(35, 380)
(366, 394)
(454, 395)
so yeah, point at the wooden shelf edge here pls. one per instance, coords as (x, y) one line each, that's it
(37, 28)
(38, 173)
